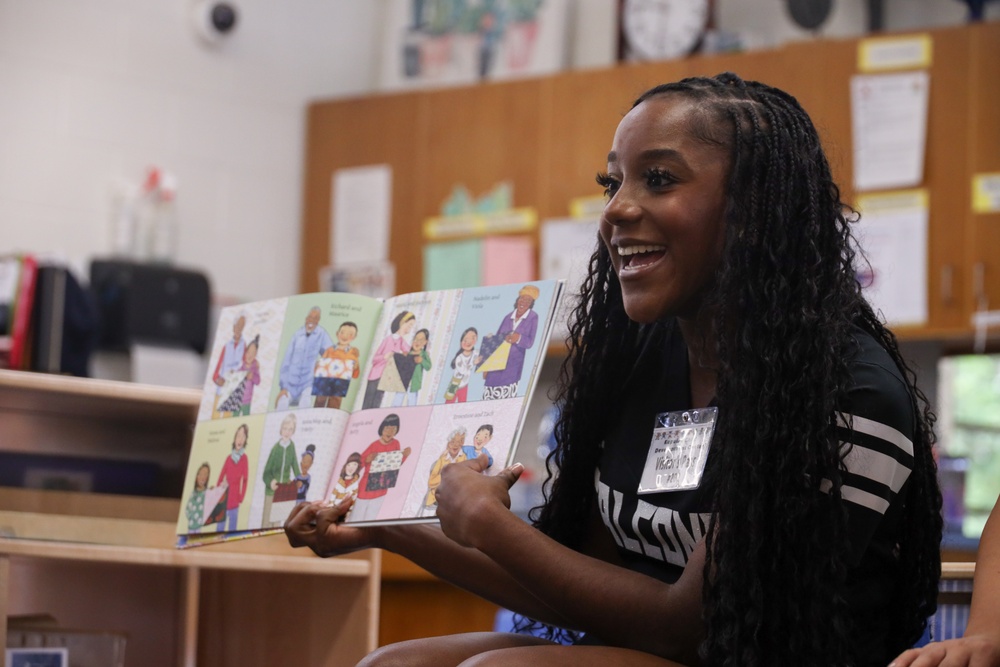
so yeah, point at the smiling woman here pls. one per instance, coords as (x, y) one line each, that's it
(720, 313)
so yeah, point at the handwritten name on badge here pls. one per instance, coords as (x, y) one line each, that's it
(678, 451)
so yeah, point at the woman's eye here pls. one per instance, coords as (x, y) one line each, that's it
(609, 184)
(657, 178)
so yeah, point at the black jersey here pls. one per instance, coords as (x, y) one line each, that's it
(657, 532)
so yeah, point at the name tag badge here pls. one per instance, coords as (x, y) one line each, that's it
(678, 451)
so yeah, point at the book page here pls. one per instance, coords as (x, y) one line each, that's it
(478, 351)
(283, 376)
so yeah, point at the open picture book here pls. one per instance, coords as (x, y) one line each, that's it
(326, 396)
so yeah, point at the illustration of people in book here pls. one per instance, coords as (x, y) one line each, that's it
(226, 375)
(207, 504)
(502, 353)
(462, 365)
(411, 367)
(307, 345)
(454, 452)
(349, 479)
(334, 371)
(382, 460)
(479, 441)
(237, 404)
(235, 475)
(303, 479)
(279, 475)
(195, 508)
(397, 342)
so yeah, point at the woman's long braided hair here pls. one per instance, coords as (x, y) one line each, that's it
(785, 299)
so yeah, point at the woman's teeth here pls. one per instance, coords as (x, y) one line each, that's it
(628, 251)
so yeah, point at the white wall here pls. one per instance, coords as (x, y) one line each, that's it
(93, 92)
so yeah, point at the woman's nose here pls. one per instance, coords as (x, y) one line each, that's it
(622, 208)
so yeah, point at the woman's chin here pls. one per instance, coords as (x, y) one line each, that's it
(642, 310)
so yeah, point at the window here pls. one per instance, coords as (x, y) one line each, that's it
(969, 439)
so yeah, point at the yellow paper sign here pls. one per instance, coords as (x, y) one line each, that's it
(986, 193)
(879, 54)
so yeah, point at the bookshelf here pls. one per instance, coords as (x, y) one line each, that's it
(99, 561)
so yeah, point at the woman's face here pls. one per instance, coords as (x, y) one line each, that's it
(664, 223)
(407, 326)
(389, 432)
(455, 444)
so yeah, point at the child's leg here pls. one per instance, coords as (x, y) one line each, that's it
(335, 402)
(397, 400)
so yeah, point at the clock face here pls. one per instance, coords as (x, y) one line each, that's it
(657, 29)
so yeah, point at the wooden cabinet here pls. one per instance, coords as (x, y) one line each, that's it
(549, 136)
(108, 562)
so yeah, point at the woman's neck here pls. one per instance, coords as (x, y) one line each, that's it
(703, 358)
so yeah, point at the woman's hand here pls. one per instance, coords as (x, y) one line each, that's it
(320, 526)
(468, 501)
(969, 651)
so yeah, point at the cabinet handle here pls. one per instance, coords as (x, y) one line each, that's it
(947, 284)
(979, 286)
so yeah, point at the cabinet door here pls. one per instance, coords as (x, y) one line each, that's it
(984, 253)
(946, 177)
(358, 132)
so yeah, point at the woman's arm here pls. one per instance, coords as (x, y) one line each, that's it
(622, 607)
(980, 645)
(317, 526)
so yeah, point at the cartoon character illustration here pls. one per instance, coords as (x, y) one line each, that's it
(518, 331)
(462, 365)
(454, 452)
(483, 435)
(413, 365)
(395, 342)
(235, 474)
(303, 479)
(350, 476)
(382, 460)
(238, 402)
(280, 471)
(229, 361)
(195, 508)
(304, 349)
(336, 368)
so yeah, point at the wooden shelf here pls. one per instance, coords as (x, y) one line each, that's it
(109, 562)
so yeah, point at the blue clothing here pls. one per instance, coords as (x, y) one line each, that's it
(300, 359)
(470, 453)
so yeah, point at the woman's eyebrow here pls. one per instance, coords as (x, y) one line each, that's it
(653, 154)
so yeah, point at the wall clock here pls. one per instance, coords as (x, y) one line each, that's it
(662, 29)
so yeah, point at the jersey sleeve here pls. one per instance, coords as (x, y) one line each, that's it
(875, 426)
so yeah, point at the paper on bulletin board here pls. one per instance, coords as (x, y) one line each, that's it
(360, 214)
(452, 265)
(507, 259)
(889, 124)
(566, 247)
(893, 53)
(893, 236)
(986, 193)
